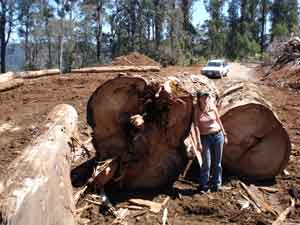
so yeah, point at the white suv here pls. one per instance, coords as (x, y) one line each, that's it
(216, 68)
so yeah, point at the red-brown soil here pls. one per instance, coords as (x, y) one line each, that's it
(25, 108)
(288, 76)
(134, 59)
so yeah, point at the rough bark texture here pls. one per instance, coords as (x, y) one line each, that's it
(259, 146)
(151, 156)
(37, 189)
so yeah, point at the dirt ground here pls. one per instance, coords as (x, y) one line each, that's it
(25, 108)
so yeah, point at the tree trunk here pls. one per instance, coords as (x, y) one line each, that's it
(157, 23)
(37, 189)
(259, 146)
(2, 37)
(153, 155)
(99, 28)
(263, 23)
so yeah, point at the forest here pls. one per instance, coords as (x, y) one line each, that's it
(69, 34)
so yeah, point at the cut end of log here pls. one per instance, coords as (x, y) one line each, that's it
(150, 156)
(259, 146)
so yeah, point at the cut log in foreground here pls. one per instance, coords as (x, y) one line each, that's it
(150, 156)
(259, 146)
(11, 84)
(37, 189)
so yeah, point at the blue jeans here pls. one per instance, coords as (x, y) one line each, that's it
(212, 145)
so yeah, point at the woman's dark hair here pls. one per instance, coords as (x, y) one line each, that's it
(202, 94)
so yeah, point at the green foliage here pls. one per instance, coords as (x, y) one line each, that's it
(280, 30)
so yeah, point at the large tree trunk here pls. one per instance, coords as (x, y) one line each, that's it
(259, 146)
(37, 189)
(151, 156)
(154, 155)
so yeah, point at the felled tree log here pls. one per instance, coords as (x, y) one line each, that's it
(151, 156)
(115, 69)
(4, 77)
(37, 189)
(11, 84)
(38, 73)
(259, 146)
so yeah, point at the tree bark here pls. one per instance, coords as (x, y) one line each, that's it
(37, 189)
(259, 146)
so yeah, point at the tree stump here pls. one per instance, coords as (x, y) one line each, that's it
(37, 189)
(259, 146)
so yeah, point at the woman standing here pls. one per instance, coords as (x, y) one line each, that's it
(211, 138)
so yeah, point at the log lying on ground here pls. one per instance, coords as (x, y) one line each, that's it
(152, 156)
(116, 69)
(37, 189)
(11, 84)
(38, 73)
(102, 69)
(259, 146)
(8, 81)
(4, 77)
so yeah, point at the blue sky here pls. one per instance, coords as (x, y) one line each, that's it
(199, 14)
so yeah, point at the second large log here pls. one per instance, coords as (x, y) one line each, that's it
(259, 146)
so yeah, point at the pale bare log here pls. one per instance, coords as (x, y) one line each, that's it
(11, 84)
(37, 189)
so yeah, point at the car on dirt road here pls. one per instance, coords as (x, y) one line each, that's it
(216, 68)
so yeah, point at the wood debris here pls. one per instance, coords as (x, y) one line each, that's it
(282, 217)
(261, 203)
(154, 207)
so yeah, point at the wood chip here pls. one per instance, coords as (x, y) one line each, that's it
(153, 206)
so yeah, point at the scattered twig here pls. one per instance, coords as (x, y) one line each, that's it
(153, 206)
(79, 193)
(268, 189)
(121, 215)
(87, 151)
(265, 207)
(165, 216)
(80, 210)
(188, 166)
(251, 202)
(93, 202)
(282, 217)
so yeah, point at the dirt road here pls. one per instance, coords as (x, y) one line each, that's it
(240, 71)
